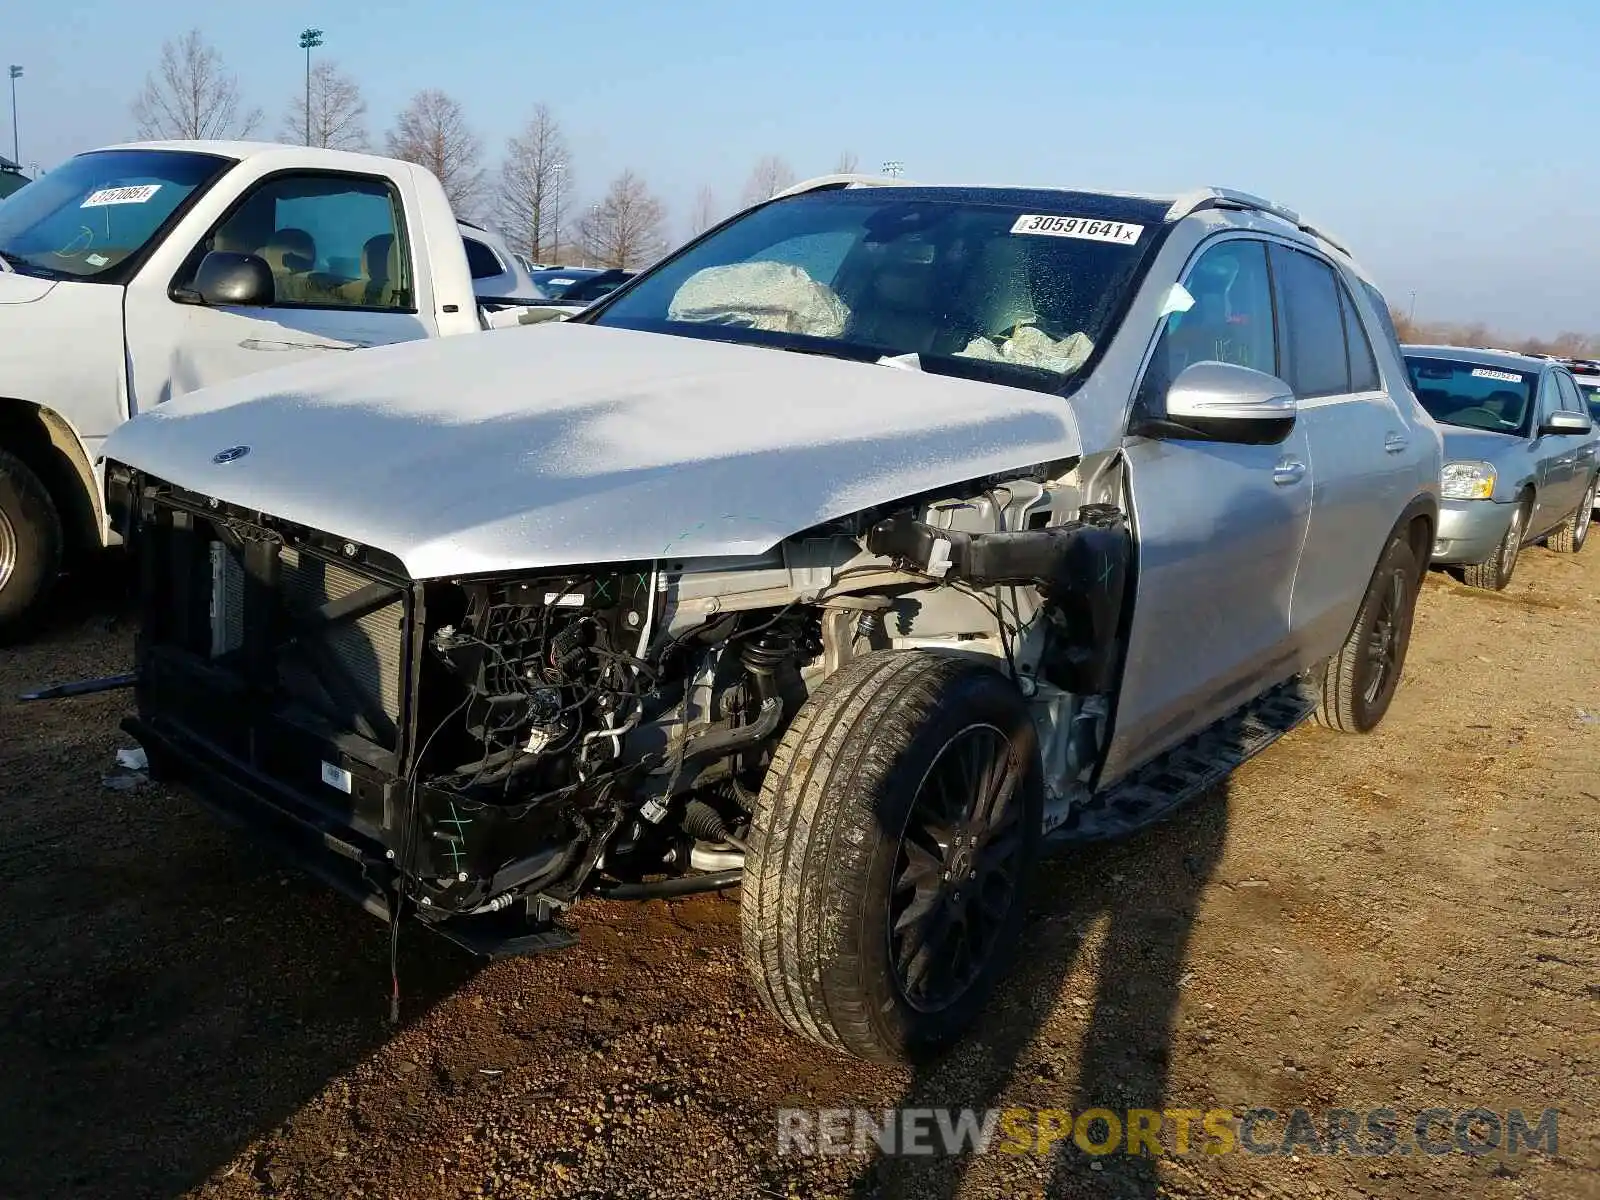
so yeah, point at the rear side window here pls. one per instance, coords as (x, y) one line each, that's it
(1363, 367)
(481, 260)
(1385, 321)
(1314, 341)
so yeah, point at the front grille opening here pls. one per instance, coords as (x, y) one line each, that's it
(309, 631)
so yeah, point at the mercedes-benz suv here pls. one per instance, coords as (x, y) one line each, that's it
(862, 547)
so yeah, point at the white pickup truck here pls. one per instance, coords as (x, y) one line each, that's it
(137, 273)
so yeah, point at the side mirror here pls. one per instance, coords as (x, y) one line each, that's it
(1222, 402)
(1568, 423)
(229, 279)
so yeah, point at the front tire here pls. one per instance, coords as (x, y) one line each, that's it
(30, 545)
(1574, 531)
(1360, 680)
(1494, 574)
(883, 887)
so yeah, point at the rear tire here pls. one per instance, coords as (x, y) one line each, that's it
(30, 546)
(883, 897)
(1494, 574)
(1359, 682)
(1574, 531)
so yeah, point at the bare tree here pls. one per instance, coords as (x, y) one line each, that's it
(338, 111)
(628, 227)
(847, 163)
(432, 132)
(1571, 344)
(704, 213)
(769, 177)
(191, 95)
(534, 186)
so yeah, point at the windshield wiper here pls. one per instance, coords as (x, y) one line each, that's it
(10, 261)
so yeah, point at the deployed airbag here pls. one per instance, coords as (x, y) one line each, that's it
(771, 296)
(1030, 346)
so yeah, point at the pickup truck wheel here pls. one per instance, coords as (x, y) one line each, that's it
(1494, 574)
(1360, 680)
(896, 827)
(1570, 536)
(30, 544)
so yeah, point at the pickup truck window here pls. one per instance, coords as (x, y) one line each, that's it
(481, 260)
(96, 212)
(331, 241)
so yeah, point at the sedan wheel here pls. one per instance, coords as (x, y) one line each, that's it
(1494, 574)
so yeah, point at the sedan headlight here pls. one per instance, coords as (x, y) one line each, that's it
(1467, 481)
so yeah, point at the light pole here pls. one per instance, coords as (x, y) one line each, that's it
(557, 168)
(310, 39)
(16, 144)
(893, 168)
(1413, 317)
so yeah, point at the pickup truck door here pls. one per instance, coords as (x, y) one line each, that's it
(1219, 528)
(343, 273)
(1359, 448)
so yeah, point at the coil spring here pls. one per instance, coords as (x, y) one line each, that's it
(784, 640)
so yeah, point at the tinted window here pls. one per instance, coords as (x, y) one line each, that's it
(1385, 321)
(1549, 396)
(1472, 395)
(331, 241)
(1313, 325)
(83, 219)
(1363, 367)
(1570, 400)
(1227, 318)
(481, 260)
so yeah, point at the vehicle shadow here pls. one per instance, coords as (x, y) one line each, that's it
(1130, 907)
(169, 991)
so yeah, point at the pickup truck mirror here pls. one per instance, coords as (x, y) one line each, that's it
(226, 278)
(1567, 422)
(1223, 402)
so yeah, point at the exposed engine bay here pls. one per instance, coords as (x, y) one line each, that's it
(490, 749)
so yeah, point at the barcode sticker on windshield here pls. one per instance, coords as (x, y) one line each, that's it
(121, 195)
(1120, 232)
(1502, 376)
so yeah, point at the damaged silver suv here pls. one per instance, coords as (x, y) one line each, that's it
(865, 546)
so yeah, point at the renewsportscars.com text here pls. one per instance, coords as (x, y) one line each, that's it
(1357, 1133)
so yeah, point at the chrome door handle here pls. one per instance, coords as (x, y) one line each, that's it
(1395, 443)
(1290, 470)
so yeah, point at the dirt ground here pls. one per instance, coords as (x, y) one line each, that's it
(1410, 921)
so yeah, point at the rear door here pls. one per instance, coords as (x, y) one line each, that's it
(1358, 445)
(1219, 527)
(343, 273)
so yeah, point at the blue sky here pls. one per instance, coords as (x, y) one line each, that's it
(1452, 145)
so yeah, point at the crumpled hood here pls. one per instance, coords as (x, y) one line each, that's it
(559, 445)
(16, 288)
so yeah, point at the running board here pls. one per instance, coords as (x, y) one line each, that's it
(1162, 786)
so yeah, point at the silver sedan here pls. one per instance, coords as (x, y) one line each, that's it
(1520, 452)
